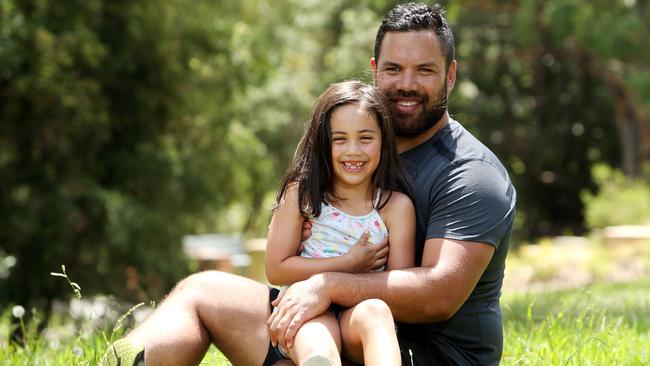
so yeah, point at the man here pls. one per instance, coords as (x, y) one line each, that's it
(448, 306)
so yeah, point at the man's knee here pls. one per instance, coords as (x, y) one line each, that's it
(200, 282)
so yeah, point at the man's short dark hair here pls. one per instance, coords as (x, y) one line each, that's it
(414, 17)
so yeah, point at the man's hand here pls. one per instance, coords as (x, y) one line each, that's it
(365, 257)
(306, 230)
(299, 303)
(305, 233)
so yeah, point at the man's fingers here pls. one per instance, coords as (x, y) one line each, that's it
(301, 247)
(276, 329)
(305, 233)
(292, 329)
(277, 300)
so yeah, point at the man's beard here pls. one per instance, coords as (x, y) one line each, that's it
(413, 125)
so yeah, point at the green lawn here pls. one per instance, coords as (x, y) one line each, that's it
(605, 324)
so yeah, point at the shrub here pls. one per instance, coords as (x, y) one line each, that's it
(619, 199)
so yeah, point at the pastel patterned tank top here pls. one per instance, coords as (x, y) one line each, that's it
(334, 231)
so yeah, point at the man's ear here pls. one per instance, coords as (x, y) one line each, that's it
(451, 75)
(373, 67)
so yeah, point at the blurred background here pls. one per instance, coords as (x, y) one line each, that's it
(133, 131)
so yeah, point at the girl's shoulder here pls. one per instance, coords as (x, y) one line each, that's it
(290, 195)
(395, 202)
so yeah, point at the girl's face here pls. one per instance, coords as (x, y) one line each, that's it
(356, 146)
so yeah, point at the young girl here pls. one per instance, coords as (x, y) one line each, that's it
(346, 180)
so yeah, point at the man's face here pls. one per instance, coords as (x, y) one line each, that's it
(411, 72)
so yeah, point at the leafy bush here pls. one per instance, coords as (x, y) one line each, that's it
(619, 200)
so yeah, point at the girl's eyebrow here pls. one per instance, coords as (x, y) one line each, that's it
(365, 130)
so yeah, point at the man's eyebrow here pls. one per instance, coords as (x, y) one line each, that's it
(424, 64)
(389, 63)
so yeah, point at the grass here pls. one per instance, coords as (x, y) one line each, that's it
(603, 324)
(561, 305)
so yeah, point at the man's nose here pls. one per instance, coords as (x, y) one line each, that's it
(406, 81)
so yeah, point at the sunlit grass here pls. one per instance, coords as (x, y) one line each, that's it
(604, 324)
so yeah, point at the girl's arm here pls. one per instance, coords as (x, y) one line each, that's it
(399, 217)
(283, 266)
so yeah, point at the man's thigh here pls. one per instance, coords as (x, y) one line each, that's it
(425, 349)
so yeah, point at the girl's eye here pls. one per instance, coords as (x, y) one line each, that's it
(367, 138)
(338, 139)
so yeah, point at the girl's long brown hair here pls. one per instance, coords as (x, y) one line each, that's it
(311, 166)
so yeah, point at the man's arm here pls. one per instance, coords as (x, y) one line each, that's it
(434, 292)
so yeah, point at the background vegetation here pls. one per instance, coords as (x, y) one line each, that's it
(126, 125)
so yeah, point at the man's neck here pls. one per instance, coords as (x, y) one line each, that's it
(408, 143)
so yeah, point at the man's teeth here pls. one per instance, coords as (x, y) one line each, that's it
(352, 165)
(407, 103)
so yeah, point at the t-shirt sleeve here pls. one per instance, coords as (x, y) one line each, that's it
(473, 201)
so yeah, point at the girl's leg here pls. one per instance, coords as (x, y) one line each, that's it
(318, 342)
(368, 334)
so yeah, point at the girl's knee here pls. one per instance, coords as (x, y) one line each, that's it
(371, 314)
(374, 309)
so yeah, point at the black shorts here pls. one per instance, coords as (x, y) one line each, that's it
(416, 352)
(416, 349)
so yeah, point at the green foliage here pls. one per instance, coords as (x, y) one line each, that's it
(115, 118)
(126, 125)
(619, 200)
(599, 325)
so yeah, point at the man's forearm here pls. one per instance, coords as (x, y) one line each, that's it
(414, 295)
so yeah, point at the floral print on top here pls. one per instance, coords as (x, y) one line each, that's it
(334, 232)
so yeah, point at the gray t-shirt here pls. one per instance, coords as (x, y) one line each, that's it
(463, 192)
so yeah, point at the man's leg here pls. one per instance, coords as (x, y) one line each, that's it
(227, 310)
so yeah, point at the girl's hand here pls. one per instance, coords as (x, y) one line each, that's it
(365, 257)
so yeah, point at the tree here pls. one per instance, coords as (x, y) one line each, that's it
(114, 122)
